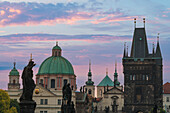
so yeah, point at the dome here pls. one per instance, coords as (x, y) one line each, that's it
(14, 71)
(56, 65)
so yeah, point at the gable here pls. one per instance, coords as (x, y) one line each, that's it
(114, 91)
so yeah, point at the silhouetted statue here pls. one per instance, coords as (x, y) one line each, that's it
(28, 82)
(64, 91)
(69, 94)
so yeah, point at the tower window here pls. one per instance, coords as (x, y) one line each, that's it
(52, 83)
(59, 101)
(41, 81)
(89, 92)
(143, 77)
(147, 77)
(130, 77)
(134, 77)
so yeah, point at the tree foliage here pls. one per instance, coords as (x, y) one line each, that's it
(14, 103)
(5, 103)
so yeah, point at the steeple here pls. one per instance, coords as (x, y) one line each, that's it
(89, 82)
(116, 82)
(106, 71)
(139, 45)
(158, 50)
(124, 54)
(56, 51)
(153, 50)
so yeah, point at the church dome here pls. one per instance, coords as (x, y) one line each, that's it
(14, 71)
(56, 64)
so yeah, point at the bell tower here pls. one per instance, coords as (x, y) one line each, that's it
(14, 79)
(89, 87)
(142, 75)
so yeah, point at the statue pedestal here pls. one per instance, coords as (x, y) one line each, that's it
(27, 106)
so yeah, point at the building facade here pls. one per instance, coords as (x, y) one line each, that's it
(166, 97)
(142, 75)
(53, 73)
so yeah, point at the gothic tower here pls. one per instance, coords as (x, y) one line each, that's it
(89, 87)
(142, 75)
(14, 79)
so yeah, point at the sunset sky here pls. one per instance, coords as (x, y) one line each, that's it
(85, 29)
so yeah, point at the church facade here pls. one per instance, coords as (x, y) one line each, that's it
(142, 75)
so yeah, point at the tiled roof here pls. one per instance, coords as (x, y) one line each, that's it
(166, 88)
(106, 81)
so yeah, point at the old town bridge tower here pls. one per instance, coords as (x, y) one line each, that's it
(142, 74)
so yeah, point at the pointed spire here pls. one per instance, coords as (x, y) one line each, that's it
(124, 54)
(153, 51)
(158, 50)
(89, 65)
(127, 52)
(116, 66)
(14, 64)
(134, 22)
(144, 22)
(106, 71)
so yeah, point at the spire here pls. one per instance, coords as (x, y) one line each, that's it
(158, 50)
(89, 82)
(116, 66)
(124, 54)
(116, 82)
(14, 64)
(89, 65)
(153, 50)
(127, 52)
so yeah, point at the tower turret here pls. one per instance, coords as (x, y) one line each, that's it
(89, 82)
(158, 50)
(14, 79)
(56, 51)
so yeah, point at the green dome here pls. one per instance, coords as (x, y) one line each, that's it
(14, 71)
(56, 47)
(56, 65)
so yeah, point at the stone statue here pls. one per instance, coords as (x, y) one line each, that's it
(69, 94)
(28, 82)
(27, 105)
(80, 89)
(67, 105)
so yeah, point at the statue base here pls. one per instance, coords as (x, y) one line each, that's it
(27, 106)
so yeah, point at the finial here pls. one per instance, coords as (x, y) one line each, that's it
(116, 66)
(31, 57)
(56, 43)
(135, 22)
(153, 48)
(124, 54)
(89, 65)
(144, 22)
(106, 71)
(158, 38)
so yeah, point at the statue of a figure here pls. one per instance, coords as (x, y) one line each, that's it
(28, 82)
(64, 91)
(80, 89)
(69, 94)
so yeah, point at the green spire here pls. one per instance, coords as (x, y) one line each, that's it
(116, 82)
(14, 71)
(89, 82)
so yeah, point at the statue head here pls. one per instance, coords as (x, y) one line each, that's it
(68, 84)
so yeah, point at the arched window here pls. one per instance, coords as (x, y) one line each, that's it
(89, 92)
(101, 92)
(52, 83)
(147, 77)
(134, 77)
(130, 77)
(13, 81)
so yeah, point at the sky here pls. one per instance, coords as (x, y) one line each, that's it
(85, 29)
